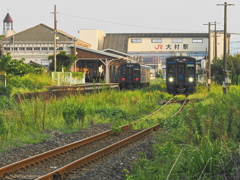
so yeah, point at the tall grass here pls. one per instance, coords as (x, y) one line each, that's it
(200, 143)
(33, 120)
(29, 82)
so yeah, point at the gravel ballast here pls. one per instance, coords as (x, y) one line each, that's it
(111, 169)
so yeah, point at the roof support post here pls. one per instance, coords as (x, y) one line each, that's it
(107, 73)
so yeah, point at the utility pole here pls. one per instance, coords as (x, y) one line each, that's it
(225, 46)
(215, 25)
(75, 54)
(209, 55)
(55, 39)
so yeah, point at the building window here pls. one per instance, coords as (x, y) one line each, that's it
(177, 40)
(147, 60)
(21, 48)
(51, 48)
(197, 40)
(36, 48)
(60, 48)
(6, 48)
(44, 48)
(29, 48)
(136, 40)
(156, 40)
(14, 48)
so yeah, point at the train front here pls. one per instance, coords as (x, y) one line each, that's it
(129, 75)
(181, 75)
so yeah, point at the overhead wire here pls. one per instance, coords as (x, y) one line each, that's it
(110, 22)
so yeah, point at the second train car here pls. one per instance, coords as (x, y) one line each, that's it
(133, 75)
(181, 75)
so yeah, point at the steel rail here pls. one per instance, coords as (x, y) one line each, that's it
(91, 157)
(180, 109)
(160, 108)
(152, 113)
(26, 162)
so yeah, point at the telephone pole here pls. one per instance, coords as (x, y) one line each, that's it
(209, 55)
(55, 39)
(215, 25)
(225, 46)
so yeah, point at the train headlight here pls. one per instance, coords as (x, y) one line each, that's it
(190, 79)
(171, 79)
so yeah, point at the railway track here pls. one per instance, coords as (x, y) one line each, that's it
(165, 103)
(53, 164)
(46, 165)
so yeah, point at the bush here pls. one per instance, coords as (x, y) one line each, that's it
(5, 89)
(2, 126)
(72, 113)
(6, 103)
(78, 75)
(111, 112)
(30, 82)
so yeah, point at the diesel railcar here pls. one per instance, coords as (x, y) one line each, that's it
(133, 75)
(180, 75)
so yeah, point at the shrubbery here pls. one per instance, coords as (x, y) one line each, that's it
(30, 82)
(5, 89)
(73, 113)
(200, 143)
(2, 126)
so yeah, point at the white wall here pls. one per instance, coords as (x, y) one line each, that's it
(94, 37)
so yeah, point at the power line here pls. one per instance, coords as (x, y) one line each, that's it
(110, 22)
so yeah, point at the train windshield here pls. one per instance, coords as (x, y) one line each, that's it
(129, 71)
(180, 68)
(171, 68)
(123, 71)
(136, 70)
(191, 68)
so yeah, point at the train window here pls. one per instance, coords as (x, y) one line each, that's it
(136, 70)
(123, 71)
(190, 68)
(129, 71)
(171, 68)
(180, 68)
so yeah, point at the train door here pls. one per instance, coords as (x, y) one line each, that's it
(136, 73)
(181, 73)
(129, 74)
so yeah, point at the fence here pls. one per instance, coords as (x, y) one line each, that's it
(65, 78)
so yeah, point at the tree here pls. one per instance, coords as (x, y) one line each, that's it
(5, 61)
(234, 66)
(18, 67)
(64, 61)
(217, 70)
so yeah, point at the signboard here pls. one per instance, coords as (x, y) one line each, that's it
(167, 45)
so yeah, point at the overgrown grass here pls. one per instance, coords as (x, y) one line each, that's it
(29, 121)
(200, 143)
(29, 83)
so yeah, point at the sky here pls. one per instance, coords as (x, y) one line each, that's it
(126, 16)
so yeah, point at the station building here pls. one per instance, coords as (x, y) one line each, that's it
(153, 48)
(96, 48)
